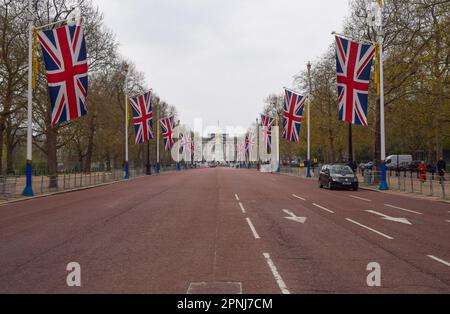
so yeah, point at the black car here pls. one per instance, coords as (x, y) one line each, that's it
(338, 176)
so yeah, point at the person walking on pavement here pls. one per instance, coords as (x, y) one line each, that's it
(423, 171)
(441, 167)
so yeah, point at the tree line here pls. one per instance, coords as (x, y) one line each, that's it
(416, 88)
(95, 139)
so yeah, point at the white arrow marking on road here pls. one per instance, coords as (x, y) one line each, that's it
(400, 220)
(293, 217)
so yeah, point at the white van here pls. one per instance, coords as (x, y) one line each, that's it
(393, 161)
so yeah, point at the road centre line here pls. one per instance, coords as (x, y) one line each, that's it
(255, 234)
(361, 198)
(276, 275)
(368, 228)
(404, 209)
(242, 207)
(237, 197)
(439, 260)
(301, 198)
(321, 207)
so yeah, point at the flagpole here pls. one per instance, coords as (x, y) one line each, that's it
(258, 165)
(28, 191)
(178, 152)
(158, 165)
(383, 182)
(126, 168)
(308, 162)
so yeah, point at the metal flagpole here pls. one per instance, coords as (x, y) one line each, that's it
(308, 162)
(126, 168)
(178, 136)
(28, 191)
(258, 165)
(380, 35)
(158, 165)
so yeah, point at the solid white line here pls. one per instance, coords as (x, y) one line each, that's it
(439, 260)
(361, 198)
(276, 275)
(373, 230)
(406, 210)
(255, 234)
(242, 207)
(321, 207)
(301, 198)
(237, 197)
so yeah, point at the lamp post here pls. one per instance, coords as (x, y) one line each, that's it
(308, 161)
(126, 167)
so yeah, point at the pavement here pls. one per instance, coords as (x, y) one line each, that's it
(224, 230)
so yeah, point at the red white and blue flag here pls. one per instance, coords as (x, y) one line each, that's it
(353, 66)
(167, 126)
(293, 107)
(267, 124)
(249, 141)
(65, 58)
(142, 117)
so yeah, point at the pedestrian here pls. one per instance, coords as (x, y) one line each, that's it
(441, 167)
(423, 171)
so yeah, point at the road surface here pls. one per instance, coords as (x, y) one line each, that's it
(223, 230)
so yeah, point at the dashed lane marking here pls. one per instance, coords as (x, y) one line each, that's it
(242, 207)
(299, 197)
(439, 260)
(237, 197)
(404, 209)
(326, 209)
(255, 234)
(361, 198)
(368, 228)
(276, 275)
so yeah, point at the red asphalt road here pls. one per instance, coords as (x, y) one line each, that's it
(160, 234)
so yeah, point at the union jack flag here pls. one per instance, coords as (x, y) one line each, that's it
(292, 115)
(353, 65)
(188, 146)
(249, 141)
(167, 126)
(267, 123)
(141, 106)
(241, 149)
(65, 58)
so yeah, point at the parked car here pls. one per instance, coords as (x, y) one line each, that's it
(369, 165)
(338, 176)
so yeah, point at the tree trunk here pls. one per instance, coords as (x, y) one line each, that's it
(52, 162)
(9, 151)
(90, 147)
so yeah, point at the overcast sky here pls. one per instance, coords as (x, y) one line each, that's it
(219, 59)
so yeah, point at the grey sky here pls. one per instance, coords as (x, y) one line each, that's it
(219, 59)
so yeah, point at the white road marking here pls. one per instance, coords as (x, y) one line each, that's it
(321, 207)
(255, 234)
(276, 275)
(386, 217)
(368, 228)
(404, 209)
(242, 207)
(439, 260)
(447, 221)
(293, 217)
(301, 198)
(361, 198)
(237, 197)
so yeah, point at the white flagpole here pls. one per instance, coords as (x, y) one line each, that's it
(380, 35)
(28, 191)
(126, 166)
(158, 165)
(308, 170)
